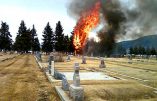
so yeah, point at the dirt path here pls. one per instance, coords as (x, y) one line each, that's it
(22, 80)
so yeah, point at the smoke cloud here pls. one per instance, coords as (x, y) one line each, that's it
(141, 17)
(122, 19)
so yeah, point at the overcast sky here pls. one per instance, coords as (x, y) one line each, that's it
(37, 12)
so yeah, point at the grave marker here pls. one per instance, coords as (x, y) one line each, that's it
(76, 91)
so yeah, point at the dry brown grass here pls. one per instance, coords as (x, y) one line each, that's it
(24, 81)
(116, 90)
(6, 56)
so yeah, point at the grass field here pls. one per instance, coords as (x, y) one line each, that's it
(145, 71)
(5, 56)
(131, 89)
(22, 80)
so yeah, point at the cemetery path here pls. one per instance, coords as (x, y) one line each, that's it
(22, 80)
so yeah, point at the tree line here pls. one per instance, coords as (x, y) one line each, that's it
(27, 39)
(143, 51)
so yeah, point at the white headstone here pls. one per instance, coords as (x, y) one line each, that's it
(76, 91)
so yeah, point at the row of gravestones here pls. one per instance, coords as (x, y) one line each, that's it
(51, 70)
(57, 75)
(75, 90)
(102, 63)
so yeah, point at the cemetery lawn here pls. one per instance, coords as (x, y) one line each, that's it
(128, 89)
(22, 80)
(145, 72)
(119, 90)
(6, 56)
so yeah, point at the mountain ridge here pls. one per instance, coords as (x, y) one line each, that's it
(145, 41)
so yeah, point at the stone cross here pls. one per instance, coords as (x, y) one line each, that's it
(83, 60)
(102, 63)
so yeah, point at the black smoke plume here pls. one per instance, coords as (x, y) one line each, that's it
(141, 18)
(121, 20)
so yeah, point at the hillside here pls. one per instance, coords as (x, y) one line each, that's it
(146, 41)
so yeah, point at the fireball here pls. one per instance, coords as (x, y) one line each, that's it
(87, 22)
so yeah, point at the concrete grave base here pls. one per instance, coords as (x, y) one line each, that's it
(102, 66)
(62, 94)
(89, 76)
(76, 93)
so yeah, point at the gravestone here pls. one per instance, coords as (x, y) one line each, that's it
(75, 90)
(38, 55)
(129, 56)
(102, 63)
(83, 60)
(129, 59)
(68, 58)
(58, 75)
(65, 84)
(51, 65)
(76, 76)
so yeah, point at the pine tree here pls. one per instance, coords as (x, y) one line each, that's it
(35, 45)
(131, 51)
(26, 41)
(48, 39)
(153, 51)
(5, 37)
(23, 39)
(66, 43)
(135, 50)
(71, 46)
(59, 36)
(148, 51)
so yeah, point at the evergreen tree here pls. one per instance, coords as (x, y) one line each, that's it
(26, 41)
(5, 37)
(66, 41)
(148, 52)
(23, 39)
(35, 45)
(136, 50)
(121, 50)
(153, 51)
(143, 51)
(131, 50)
(59, 37)
(48, 39)
(71, 46)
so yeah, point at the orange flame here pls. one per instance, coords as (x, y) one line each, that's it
(85, 24)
